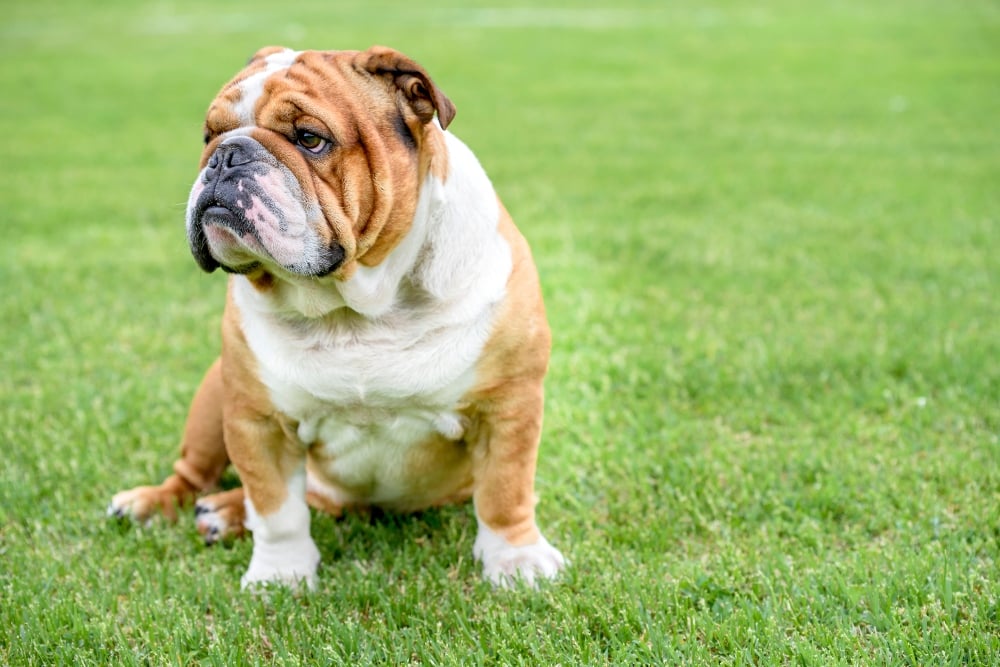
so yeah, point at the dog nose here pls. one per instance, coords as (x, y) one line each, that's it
(231, 153)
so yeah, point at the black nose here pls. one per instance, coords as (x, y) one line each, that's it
(233, 153)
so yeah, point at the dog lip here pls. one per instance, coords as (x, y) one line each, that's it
(333, 257)
(199, 249)
(242, 269)
(210, 211)
(218, 214)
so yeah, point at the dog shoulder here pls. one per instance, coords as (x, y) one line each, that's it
(520, 341)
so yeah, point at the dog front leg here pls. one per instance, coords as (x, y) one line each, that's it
(508, 542)
(272, 468)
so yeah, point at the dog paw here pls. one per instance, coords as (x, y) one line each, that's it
(290, 563)
(506, 565)
(141, 503)
(220, 516)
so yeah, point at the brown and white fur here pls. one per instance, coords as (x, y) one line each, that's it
(384, 339)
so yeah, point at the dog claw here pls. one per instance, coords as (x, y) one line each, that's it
(211, 524)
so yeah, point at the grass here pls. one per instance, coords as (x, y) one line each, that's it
(769, 238)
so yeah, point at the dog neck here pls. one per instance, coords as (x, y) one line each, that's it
(452, 258)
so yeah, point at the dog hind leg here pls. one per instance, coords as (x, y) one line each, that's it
(202, 462)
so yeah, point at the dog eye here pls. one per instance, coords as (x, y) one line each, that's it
(309, 141)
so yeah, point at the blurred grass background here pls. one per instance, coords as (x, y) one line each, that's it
(769, 238)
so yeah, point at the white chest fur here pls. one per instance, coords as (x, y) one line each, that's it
(386, 369)
(365, 393)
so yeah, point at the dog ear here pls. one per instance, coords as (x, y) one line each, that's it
(425, 98)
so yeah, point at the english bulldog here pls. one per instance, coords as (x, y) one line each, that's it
(384, 339)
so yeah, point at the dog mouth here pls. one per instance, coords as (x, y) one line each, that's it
(222, 238)
(218, 227)
(245, 212)
(238, 249)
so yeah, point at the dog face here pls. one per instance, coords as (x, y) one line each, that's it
(312, 162)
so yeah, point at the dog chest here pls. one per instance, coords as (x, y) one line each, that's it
(379, 406)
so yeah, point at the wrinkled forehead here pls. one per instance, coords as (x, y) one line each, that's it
(240, 96)
(246, 89)
(275, 69)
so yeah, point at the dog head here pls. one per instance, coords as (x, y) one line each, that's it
(313, 162)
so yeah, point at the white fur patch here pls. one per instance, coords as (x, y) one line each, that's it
(463, 250)
(283, 550)
(505, 564)
(370, 453)
(252, 87)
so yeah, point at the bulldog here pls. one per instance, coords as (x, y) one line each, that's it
(384, 339)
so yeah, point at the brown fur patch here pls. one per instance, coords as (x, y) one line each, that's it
(509, 397)
(262, 280)
(434, 155)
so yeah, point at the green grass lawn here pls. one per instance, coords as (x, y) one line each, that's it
(769, 238)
